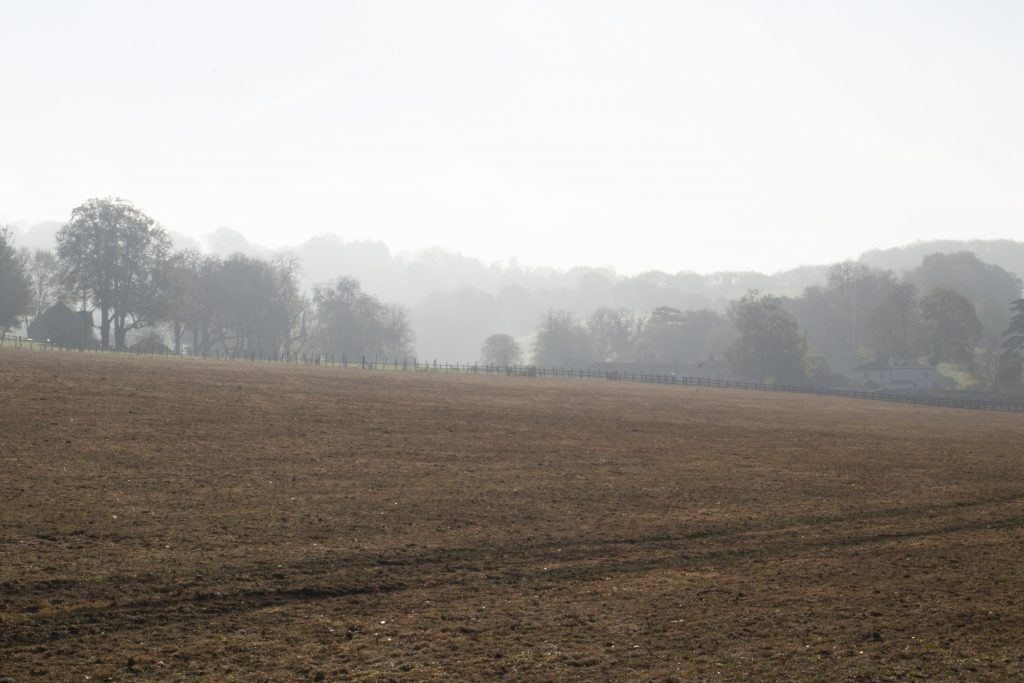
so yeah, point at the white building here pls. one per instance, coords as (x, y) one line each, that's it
(896, 376)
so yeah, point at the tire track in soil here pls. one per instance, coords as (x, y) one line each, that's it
(402, 558)
(583, 565)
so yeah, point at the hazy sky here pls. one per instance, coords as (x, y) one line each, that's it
(672, 135)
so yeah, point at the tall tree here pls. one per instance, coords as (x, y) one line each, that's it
(821, 316)
(298, 305)
(111, 252)
(501, 350)
(663, 336)
(254, 305)
(673, 336)
(15, 288)
(858, 289)
(562, 341)
(615, 332)
(949, 327)
(348, 320)
(396, 328)
(770, 347)
(893, 325)
(43, 271)
(178, 288)
(139, 300)
(242, 305)
(205, 301)
(192, 299)
(1012, 366)
(988, 287)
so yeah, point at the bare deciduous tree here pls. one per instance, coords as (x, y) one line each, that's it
(43, 270)
(615, 332)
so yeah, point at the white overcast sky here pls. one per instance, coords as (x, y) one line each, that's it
(671, 135)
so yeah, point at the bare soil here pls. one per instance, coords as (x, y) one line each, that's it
(165, 519)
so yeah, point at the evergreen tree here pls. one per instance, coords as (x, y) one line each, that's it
(15, 289)
(1013, 346)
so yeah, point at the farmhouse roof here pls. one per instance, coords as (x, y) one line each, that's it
(62, 325)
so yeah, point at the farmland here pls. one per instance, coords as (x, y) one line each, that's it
(168, 519)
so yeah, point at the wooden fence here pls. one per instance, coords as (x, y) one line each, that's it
(415, 365)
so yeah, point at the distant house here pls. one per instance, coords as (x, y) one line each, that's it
(896, 376)
(60, 325)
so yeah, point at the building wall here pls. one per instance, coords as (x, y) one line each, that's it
(921, 377)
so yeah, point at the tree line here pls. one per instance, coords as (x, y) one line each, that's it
(119, 265)
(952, 309)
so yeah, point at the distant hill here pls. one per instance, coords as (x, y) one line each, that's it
(1007, 254)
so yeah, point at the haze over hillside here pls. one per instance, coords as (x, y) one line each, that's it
(409, 277)
(456, 301)
(487, 162)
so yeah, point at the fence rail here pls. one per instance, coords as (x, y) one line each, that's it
(415, 365)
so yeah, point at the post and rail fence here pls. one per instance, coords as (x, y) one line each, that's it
(415, 365)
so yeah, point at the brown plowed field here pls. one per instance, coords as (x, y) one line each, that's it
(173, 520)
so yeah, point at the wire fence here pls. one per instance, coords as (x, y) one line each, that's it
(413, 364)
